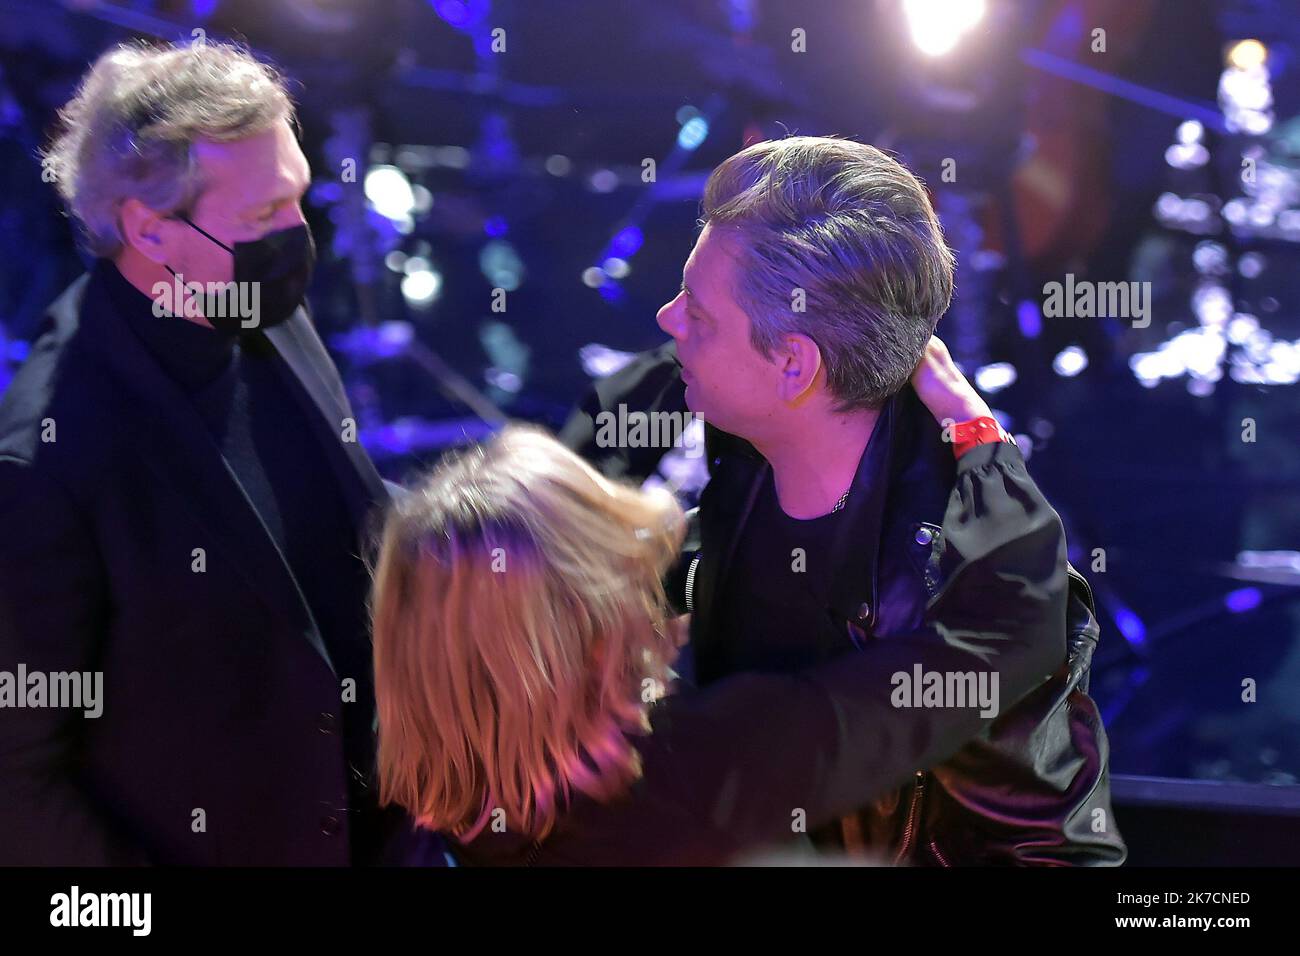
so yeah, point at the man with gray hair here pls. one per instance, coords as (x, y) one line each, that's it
(183, 498)
(809, 301)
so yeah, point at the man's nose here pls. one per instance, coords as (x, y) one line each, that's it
(670, 316)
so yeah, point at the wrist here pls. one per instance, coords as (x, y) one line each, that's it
(965, 410)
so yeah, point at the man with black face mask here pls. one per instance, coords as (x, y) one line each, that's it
(184, 501)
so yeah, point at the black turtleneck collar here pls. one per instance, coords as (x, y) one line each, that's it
(191, 354)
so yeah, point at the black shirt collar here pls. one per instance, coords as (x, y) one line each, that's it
(192, 355)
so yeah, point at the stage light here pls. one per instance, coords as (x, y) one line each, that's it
(1251, 264)
(453, 11)
(501, 265)
(1242, 600)
(420, 288)
(1247, 55)
(504, 380)
(1212, 304)
(1190, 131)
(1070, 362)
(616, 268)
(1129, 624)
(452, 157)
(1241, 328)
(1210, 258)
(593, 277)
(937, 25)
(1245, 95)
(1187, 154)
(626, 242)
(390, 193)
(599, 361)
(423, 198)
(995, 377)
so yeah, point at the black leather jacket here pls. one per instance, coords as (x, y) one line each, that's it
(1033, 788)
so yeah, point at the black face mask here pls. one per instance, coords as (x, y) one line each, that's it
(280, 263)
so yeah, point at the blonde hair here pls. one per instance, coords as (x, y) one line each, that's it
(520, 630)
(130, 129)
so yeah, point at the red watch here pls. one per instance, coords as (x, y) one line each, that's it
(977, 431)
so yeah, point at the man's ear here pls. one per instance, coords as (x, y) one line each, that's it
(145, 230)
(800, 360)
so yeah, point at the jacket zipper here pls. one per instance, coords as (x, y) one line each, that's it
(937, 855)
(690, 584)
(912, 813)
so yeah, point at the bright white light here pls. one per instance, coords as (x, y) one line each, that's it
(1187, 155)
(1070, 362)
(937, 25)
(693, 133)
(593, 277)
(1212, 304)
(995, 377)
(1241, 328)
(1196, 351)
(421, 288)
(1190, 131)
(1246, 99)
(389, 192)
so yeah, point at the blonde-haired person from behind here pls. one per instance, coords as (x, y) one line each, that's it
(523, 646)
(517, 601)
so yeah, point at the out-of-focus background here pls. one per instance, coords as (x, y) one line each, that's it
(556, 149)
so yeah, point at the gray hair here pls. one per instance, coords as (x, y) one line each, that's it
(855, 231)
(130, 129)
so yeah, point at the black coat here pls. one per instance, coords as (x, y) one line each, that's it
(219, 694)
(1033, 788)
